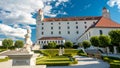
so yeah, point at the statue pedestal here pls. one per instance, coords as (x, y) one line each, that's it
(20, 60)
(23, 57)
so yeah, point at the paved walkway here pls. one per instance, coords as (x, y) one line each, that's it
(85, 62)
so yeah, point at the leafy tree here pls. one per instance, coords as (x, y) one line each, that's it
(86, 43)
(68, 44)
(52, 45)
(95, 41)
(104, 40)
(115, 37)
(7, 43)
(19, 43)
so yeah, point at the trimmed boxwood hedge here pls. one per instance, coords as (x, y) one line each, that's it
(113, 61)
(56, 61)
(114, 65)
(55, 52)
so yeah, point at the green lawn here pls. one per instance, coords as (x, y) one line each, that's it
(5, 59)
(55, 61)
(54, 52)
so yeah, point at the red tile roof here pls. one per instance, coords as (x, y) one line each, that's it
(106, 23)
(51, 38)
(72, 18)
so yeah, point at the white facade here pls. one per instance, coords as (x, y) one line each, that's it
(69, 30)
(94, 32)
(75, 29)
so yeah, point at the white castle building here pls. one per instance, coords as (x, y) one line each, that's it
(75, 29)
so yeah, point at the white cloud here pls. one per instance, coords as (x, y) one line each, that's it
(113, 3)
(59, 2)
(19, 11)
(12, 32)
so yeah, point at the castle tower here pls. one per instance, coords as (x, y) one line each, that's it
(105, 13)
(39, 19)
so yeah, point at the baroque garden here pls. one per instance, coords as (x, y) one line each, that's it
(47, 52)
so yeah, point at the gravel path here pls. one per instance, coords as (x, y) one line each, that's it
(85, 62)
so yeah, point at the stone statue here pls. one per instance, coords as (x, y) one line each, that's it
(40, 16)
(28, 42)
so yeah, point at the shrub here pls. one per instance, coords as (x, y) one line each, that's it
(104, 40)
(56, 61)
(114, 65)
(68, 44)
(52, 45)
(19, 44)
(7, 43)
(54, 52)
(113, 61)
(95, 41)
(49, 52)
(86, 44)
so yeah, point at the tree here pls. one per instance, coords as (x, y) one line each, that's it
(19, 43)
(104, 40)
(115, 37)
(95, 41)
(86, 43)
(68, 44)
(7, 43)
(52, 45)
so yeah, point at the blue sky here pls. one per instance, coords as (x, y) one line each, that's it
(19, 13)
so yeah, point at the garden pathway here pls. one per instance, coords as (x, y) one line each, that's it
(85, 62)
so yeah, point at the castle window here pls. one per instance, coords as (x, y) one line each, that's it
(67, 22)
(51, 27)
(59, 32)
(42, 23)
(42, 33)
(85, 27)
(76, 22)
(41, 41)
(51, 23)
(101, 32)
(59, 27)
(68, 27)
(68, 32)
(76, 27)
(85, 22)
(77, 32)
(59, 23)
(44, 41)
(58, 42)
(42, 28)
(51, 32)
